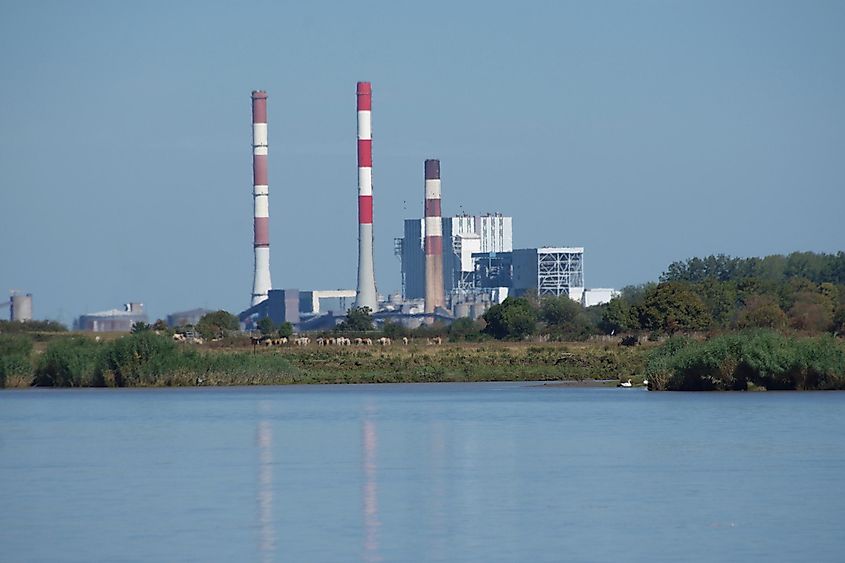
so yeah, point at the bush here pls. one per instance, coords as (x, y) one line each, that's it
(464, 329)
(760, 358)
(15, 360)
(70, 362)
(139, 359)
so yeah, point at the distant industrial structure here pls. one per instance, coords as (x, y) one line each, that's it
(433, 246)
(114, 320)
(463, 236)
(451, 267)
(20, 306)
(261, 199)
(367, 294)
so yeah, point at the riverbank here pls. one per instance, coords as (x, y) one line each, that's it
(150, 360)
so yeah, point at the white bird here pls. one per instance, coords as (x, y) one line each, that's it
(626, 384)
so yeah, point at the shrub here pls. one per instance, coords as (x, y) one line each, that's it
(70, 362)
(15, 360)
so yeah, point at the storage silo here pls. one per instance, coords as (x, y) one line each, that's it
(21, 307)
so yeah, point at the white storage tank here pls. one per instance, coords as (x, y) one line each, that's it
(21, 309)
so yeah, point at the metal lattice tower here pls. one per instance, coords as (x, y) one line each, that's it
(559, 270)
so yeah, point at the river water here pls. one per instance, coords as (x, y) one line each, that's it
(429, 472)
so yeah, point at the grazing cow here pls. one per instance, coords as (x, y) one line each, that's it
(405, 340)
(368, 341)
(384, 341)
(359, 341)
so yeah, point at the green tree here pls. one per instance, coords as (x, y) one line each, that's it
(811, 312)
(673, 307)
(761, 311)
(464, 329)
(513, 318)
(217, 324)
(285, 330)
(160, 326)
(618, 316)
(265, 326)
(358, 319)
(567, 318)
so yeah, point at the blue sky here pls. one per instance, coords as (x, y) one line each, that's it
(646, 132)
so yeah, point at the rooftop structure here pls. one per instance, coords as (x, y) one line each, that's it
(113, 320)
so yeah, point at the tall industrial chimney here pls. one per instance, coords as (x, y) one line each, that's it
(367, 296)
(433, 238)
(260, 193)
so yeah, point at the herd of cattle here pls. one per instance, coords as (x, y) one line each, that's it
(336, 341)
(305, 340)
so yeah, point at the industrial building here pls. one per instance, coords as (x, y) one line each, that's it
(20, 306)
(549, 271)
(114, 320)
(463, 236)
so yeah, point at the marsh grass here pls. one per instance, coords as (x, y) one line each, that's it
(752, 359)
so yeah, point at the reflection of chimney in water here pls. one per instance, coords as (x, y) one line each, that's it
(371, 521)
(433, 238)
(267, 534)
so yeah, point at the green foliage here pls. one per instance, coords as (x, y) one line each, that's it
(818, 268)
(14, 327)
(160, 326)
(394, 331)
(618, 316)
(811, 312)
(217, 324)
(673, 307)
(567, 319)
(139, 359)
(761, 358)
(285, 330)
(761, 311)
(464, 329)
(15, 350)
(265, 326)
(358, 319)
(513, 318)
(140, 326)
(70, 362)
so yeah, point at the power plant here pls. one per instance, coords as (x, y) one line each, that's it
(261, 195)
(450, 268)
(367, 295)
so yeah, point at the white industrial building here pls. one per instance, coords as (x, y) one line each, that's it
(463, 236)
(113, 320)
(598, 296)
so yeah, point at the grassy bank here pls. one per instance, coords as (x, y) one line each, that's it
(754, 360)
(150, 360)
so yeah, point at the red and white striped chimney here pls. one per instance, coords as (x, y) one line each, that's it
(367, 296)
(260, 193)
(434, 296)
